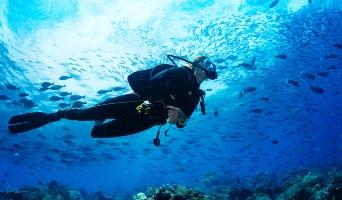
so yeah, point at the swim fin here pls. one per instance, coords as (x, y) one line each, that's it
(29, 121)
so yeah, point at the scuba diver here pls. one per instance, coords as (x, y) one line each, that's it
(165, 93)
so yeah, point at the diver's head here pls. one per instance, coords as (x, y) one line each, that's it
(203, 66)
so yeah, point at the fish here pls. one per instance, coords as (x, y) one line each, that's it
(46, 84)
(43, 89)
(16, 103)
(17, 146)
(63, 94)
(275, 141)
(338, 46)
(332, 67)
(11, 87)
(310, 1)
(231, 57)
(117, 88)
(309, 75)
(257, 110)
(78, 104)
(253, 61)
(76, 97)
(56, 87)
(281, 56)
(220, 60)
(331, 56)
(274, 3)
(317, 89)
(246, 65)
(249, 89)
(56, 98)
(293, 82)
(63, 78)
(65, 128)
(315, 32)
(103, 91)
(216, 113)
(63, 105)
(266, 99)
(69, 142)
(27, 102)
(4, 97)
(323, 74)
(23, 94)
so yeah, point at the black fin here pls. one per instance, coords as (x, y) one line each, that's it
(26, 117)
(32, 121)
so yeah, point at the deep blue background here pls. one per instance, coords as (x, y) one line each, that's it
(100, 44)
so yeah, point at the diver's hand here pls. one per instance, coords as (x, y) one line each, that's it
(175, 115)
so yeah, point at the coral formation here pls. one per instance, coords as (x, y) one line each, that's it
(312, 185)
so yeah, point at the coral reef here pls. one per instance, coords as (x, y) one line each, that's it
(311, 185)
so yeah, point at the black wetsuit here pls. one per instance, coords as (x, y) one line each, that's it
(162, 85)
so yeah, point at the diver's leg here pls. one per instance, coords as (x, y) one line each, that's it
(112, 108)
(121, 127)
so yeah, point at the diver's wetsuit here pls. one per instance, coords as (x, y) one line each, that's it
(162, 85)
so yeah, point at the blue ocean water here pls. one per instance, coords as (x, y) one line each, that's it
(275, 108)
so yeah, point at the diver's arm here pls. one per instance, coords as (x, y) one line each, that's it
(176, 116)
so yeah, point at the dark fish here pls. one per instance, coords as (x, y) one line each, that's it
(42, 136)
(246, 65)
(249, 89)
(23, 94)
(56, 98)
(63, 105)
(48, 158)
(257, 110)
(16, 103)
(126, 143)
(274, 3)
(4, 97)
(69, 137)
(231, 57)
(275, 141)
(76, 97)
(323, 74)
(332, 67)
(281, 56)
(315, 32)
(117, 88)
(317, 89)
(220, 60)
(65, 128)
(17, 146)
(216, 113)
(309, 75)
(103, 91)
(63, 78)
(56, 87)
(43, 89)
(100, 142)
(69, 142)
(331, 56)
(293, 82)
(27, 102)
(11, 87)
(338, 46)
(46, 84)
(253, 61)
(78, 104)
(63, 94)
(264, 99)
